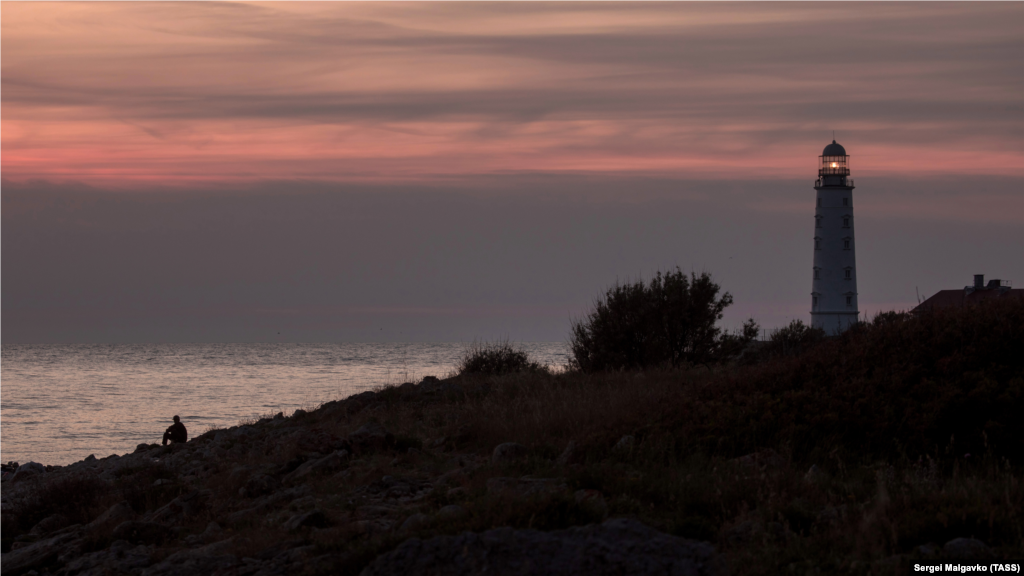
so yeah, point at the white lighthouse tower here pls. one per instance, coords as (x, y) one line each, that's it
(834, 289)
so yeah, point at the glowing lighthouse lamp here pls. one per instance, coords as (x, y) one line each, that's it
(834, 285)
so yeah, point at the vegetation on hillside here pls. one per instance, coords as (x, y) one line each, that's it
(670, 321)
(495, 359)
(853, 454)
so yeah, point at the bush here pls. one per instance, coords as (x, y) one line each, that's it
(793, 340)
(670, 321)
(950, 382)
(496, 358)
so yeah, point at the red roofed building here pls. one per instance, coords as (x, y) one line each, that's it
(979, 292)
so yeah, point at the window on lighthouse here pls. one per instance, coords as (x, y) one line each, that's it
(849, 274)
(846, 221)
(817, 221)
(849, 301)
(846, 201)
(817, 273)
(846, 243)
(817, 243)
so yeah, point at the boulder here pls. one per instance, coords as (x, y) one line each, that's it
(508, 452)
(527, 486)
(967, 549)
(116, 514)
(625, 445)
(50, 524)
(592, 500)
(210, 559)
(28, 471)
(259, 485)
(622, 547)
(312, 519)
(415, 523)
(452, 513)
(40, 554)
(371, 437)
(568, 456)
(768, 460)
(139, 532)
(120, 558)
(184, 506)
(815, 475)
(330, 463)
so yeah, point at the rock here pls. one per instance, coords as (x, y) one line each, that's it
(90, 458)
(508, 452)
(116, 514)
(212, 533)
(299, 413)
(625, 445)
(302, 504)
(742, 533)
(329, 463)
(452, 513)
(927, 551)
(139, 532)
(206, 560)
(456, 476)
(829, 517)
(592, 500)
(415, 523)
(620, 546)
(259, 485)
(119, 558)
(184, 506)
(371, 437)
(568, 456)
(39, 554)
(50, 524)
(526, 486)
(814, 475)
(763, 460)
(967, 549)
(28, 471)
(313, 519)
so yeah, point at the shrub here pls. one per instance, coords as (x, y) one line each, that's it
(669, 321)
(496, 358)
(793, 340)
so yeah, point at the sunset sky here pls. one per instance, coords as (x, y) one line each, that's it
(450, 171)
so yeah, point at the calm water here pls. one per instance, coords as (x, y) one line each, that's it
(62, 403)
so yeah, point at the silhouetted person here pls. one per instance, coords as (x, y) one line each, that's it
(176, 432)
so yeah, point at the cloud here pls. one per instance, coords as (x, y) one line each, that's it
(185, 93)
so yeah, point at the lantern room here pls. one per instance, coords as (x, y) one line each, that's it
(834, 161)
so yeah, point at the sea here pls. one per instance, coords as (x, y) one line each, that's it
(61, 403)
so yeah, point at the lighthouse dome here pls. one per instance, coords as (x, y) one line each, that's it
(834, 149)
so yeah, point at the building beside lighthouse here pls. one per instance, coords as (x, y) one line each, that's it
(834, 288)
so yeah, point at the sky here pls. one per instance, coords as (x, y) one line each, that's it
(314, 172)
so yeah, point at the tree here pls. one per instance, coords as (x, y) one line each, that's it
(669, 321)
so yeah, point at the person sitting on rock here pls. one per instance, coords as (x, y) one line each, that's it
(176, 432)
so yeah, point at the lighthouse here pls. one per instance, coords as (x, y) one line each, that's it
(834, 288)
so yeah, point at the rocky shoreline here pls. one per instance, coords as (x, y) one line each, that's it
(290, 495)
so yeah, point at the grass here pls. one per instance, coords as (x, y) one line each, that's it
(913, 424)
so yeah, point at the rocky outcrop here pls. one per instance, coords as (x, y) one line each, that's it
(509, 452)
(621, 547)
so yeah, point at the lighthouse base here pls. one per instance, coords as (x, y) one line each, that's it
(833, 322)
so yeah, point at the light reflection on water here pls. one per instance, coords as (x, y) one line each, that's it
(61, 403)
